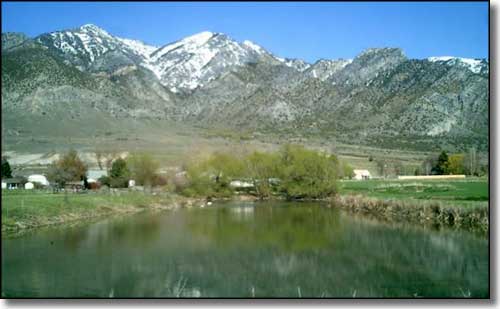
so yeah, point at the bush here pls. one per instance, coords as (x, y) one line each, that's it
(143, 169)
(261, 167)
(119, 174)
(294, 171)
(69, 168)
(307, 174)
(212, 177)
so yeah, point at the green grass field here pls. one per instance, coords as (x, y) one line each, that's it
(21, 208)
(456, 191)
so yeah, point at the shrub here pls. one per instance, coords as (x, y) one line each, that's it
(119, 174)
(143, 169)
(307, 174)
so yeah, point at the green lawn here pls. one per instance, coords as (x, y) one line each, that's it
(466, 190)
(21, 208)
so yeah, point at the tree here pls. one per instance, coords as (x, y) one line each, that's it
(307, 174)
(456, 164)
(68, 168)
(441, 166)
(381, 167)
(6, 170)
(344, 169)
(471, 165)
(119, 174)
(261, 167)
(428, 165)
(143, 169)
(398, 168)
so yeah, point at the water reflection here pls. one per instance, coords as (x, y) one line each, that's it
(242, 250)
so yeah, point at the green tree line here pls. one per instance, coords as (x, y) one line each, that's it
(294, 172)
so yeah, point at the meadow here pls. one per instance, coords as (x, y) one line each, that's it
(461, 192)
(27, 209)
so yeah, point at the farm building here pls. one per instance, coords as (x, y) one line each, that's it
(41, 179)
(74, 185)
(13, 183)
(361, 174)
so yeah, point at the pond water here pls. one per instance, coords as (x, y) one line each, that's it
(244, 249)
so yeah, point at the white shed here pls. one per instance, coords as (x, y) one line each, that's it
(29, 186)
(361, 174)
(39, 179)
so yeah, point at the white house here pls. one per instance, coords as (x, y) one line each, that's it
(39, 179)
(361, 174)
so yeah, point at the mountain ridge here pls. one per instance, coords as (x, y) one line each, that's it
(210, 79)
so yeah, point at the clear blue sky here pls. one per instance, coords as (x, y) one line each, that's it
(297, 30)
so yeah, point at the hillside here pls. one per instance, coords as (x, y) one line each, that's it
(208, 80)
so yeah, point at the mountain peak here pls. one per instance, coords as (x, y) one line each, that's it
(386, 51)
(90, 27)
(199, 38)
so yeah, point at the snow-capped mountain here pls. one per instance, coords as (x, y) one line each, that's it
(198, 59)
(83, 46)
(324, 69)
(298, 64)
(183, 65)
(209, 78)
(474, 65)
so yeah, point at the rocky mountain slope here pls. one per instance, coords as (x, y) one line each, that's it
(379, 98)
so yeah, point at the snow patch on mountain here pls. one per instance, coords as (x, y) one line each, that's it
(254, 47)
(138, 47)
(474, 65)
(442, 127)
(191, 43)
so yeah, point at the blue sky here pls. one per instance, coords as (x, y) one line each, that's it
(297, 30)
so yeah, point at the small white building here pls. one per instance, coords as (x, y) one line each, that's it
(29, 186)
(131, 183)
(362, 174)
(41, 179)
(240, 184)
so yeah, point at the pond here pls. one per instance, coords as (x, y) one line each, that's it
(245, 249)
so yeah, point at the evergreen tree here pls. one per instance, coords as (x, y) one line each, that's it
(6, 170)
(119, 174)
(441, 166)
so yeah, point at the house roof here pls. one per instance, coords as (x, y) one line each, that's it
(363, 172)
(96, 174)
(13, 180)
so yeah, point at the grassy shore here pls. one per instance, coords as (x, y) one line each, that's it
(458, 192)
(454, 203)
(457, 203)
(22, 209)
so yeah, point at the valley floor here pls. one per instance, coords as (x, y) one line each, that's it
(457, 203)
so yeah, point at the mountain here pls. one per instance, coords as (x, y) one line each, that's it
(11, 40)
(198, 59)
(379, 97)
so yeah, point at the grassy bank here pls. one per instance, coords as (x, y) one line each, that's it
(454, 191)
(29, 209)
(455, 203)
